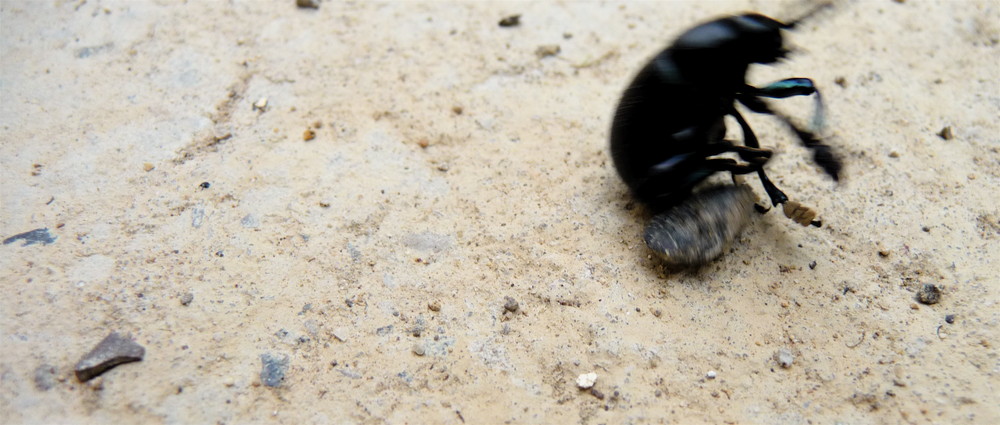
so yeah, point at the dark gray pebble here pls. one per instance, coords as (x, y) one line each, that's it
(510, 304)
(929, 294)
(187, 298)
(41, 236)
(273, 368)
(949, 318)
(110, 352)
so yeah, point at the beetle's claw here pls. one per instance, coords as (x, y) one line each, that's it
(801, 214)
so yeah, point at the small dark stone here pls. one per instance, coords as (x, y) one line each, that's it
(946, 133)
(110, 352)
(273, 367)
(383, 331)
(205, 185)
(510, 304)
(41, 236)
(45, 377)
(510, 21)
(812, 265)
(949, 318)
(307, 4)
(187, 298)
(929, 294)
(594, 392)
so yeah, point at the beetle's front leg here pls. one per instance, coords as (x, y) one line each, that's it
(782, 89)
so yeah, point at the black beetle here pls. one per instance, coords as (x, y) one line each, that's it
(669, 127)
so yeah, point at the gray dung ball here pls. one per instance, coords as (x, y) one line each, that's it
(699, 229)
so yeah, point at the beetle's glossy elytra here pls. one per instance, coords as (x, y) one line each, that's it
(669, 127)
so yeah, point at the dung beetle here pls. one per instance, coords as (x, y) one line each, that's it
(669, 129)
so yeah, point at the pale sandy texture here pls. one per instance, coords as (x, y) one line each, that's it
(330, 251)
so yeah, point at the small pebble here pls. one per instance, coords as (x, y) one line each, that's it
(147, 166)
(308, 135)
(418, 349)
(784, 358)
(272, 369)
(510, 21)
(307, 4)
(187, 298)
(205, 185)
(112, 351)
(586, 380)
(946, 133)
(260, 105)
(434, 306)
(949, 318)
(711, 374)
(594, 392)
(510, 304)
(929, 294)
(547, 50)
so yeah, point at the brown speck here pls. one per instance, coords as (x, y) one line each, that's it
(893, 154)
(883, 253)
(147, 166)
(307, 4)
(308, 134)
(423, 143)
(324, 204)
(318, 124)
(547, 50)
(946, 133)
(657, 313)
(841, 81)
(457, 110)
(434, 306)
(510, 21)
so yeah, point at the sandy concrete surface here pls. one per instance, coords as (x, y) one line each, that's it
(363, 276)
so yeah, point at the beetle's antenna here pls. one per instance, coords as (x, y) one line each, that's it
(809, 14)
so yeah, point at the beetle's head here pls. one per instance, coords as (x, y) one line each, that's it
(744, 39)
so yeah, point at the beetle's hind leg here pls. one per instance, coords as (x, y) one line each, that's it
(793, 210)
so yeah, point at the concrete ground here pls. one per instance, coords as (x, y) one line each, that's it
(456, 168)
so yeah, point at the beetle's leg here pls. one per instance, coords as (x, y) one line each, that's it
(787, 88)
(746, 153)
(749, 139)
(822, 154)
